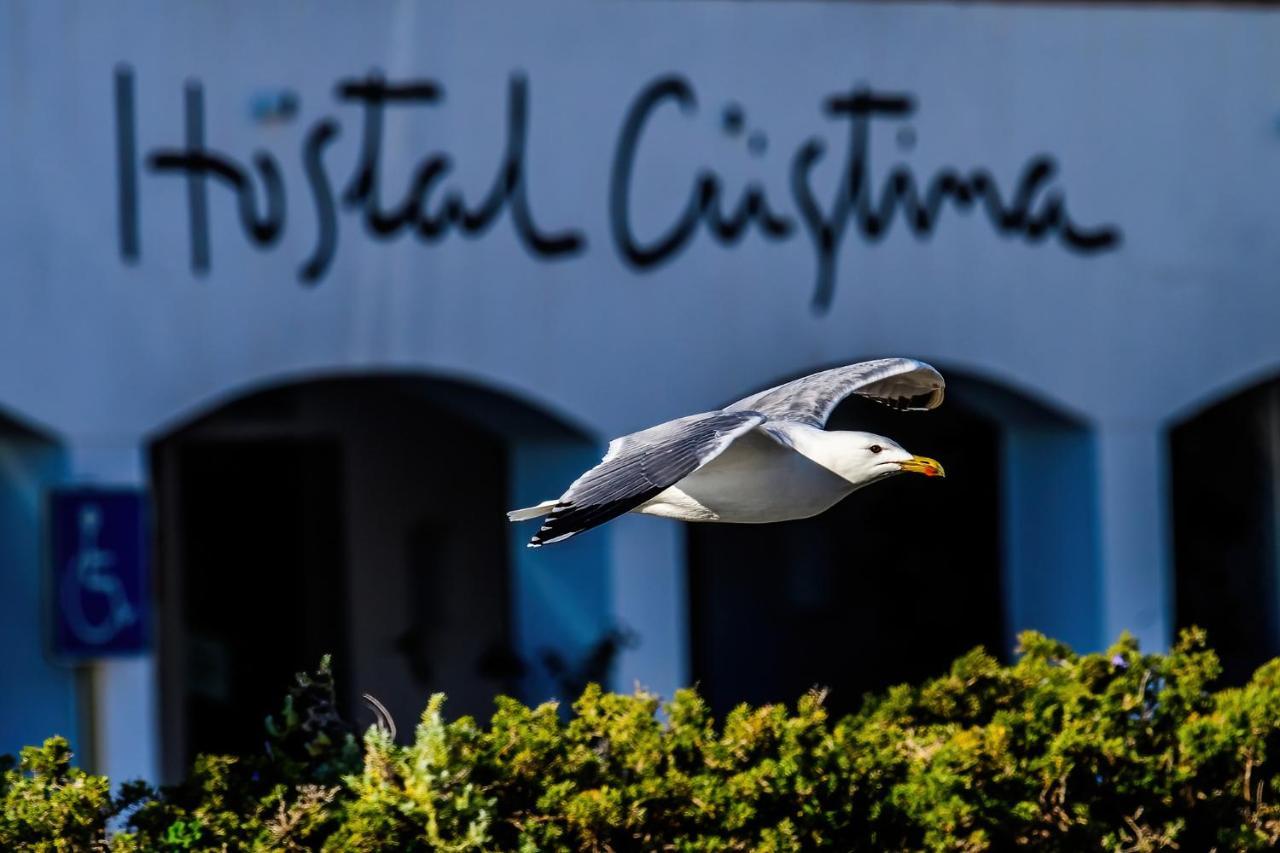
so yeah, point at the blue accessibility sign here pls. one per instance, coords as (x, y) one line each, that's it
(101, 588)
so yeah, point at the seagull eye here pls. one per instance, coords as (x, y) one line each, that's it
(875, 448)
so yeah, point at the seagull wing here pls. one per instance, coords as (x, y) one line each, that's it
(903, 383)
(641, 465)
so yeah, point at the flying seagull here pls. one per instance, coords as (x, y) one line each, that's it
(765, 458)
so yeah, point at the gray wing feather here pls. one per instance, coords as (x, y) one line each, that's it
(641, 465)
(903, 383)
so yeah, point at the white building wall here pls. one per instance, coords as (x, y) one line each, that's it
(1159, 122)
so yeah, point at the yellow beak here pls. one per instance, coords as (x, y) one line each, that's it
(923, 465)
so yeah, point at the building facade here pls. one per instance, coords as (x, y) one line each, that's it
(334, 291)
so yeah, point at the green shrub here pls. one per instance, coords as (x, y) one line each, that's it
(1064, 752)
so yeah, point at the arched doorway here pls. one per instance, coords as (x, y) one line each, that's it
(899, 579)
(41, 695)
(1225, 485)
(362, 517)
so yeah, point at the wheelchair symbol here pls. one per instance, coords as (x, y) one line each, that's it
(89, 573)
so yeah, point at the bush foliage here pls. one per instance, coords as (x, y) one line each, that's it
(1064, 752)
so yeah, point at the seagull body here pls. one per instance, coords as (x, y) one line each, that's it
(757, 479)
(762, 459)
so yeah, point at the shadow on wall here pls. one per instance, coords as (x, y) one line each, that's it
(39, 694)
(363, 517)
(900, 578)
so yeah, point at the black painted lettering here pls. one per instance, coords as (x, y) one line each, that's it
(314, 268)
(633, 252)
(126, 164)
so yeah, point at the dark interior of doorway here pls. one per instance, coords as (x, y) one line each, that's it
(1224, 476)
(262, 580)
(361, 517)
(888, 586)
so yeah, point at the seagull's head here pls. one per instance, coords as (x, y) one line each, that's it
(866, 458)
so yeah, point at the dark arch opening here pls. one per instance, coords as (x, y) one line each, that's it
(361, 517)
(1225, 488)
(900, 578)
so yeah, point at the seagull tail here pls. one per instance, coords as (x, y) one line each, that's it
(531, 512)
